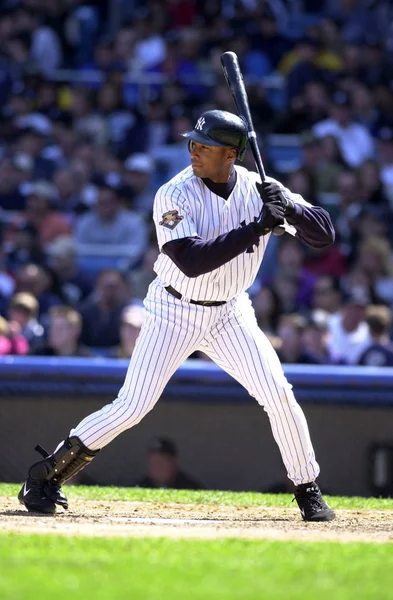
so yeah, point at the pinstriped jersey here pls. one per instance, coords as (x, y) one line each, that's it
(186, 207)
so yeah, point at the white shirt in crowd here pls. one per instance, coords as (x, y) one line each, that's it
(347, 346)
(356, 143)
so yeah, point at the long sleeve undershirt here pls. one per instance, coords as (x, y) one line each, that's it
(194, 256)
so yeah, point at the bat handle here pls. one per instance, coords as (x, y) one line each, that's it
(279, 230)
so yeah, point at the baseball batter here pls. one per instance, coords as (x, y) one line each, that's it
(213, 222)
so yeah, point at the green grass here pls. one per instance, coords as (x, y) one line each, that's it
(52, 566)
(202, 497)
(160, 569)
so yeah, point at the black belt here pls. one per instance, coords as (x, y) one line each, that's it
(178, 295)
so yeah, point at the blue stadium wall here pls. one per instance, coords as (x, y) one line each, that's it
(223, 435)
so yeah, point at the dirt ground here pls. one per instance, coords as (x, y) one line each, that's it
(139, 519)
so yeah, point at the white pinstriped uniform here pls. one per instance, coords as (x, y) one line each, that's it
(173, 329)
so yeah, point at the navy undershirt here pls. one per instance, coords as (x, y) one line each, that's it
(194, 256)
(224, 190)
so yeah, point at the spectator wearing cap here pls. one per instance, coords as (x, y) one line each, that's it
(163, 470)
(64, 329)
(385, 159)
(315, 339)
(355, 141)
(32, 142)
(61, 256)
(118, 118)
(349, 334)
(380, 352)
(130, 326)
(23, 245)
(109, 225)
(11, 196)
(40, 213)
(138, 172)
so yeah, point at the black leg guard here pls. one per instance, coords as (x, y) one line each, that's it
(63, 464)
(42, 491)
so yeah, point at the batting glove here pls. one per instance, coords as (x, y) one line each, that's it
(270, 191)
(272, 214)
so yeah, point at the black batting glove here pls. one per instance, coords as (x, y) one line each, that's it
(270, 191)
(272, 214)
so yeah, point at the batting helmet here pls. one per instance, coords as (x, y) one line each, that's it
(220, 128)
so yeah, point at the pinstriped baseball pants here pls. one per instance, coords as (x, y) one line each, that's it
(230, 336)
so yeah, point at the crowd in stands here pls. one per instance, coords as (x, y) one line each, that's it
(93, 97)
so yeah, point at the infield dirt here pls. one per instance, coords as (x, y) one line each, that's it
(148, 519)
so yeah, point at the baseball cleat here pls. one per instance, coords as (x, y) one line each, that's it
(39, 496)
(311, 503)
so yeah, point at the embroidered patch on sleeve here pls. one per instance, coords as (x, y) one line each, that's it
(170, 219)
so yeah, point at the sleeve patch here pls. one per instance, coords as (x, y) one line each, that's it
(171, 219)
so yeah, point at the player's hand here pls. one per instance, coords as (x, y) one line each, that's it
(270, 191)
(272, 214)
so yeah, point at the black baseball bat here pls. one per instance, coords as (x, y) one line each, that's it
(235, 81)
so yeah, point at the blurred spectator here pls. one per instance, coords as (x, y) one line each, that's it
(141, 278)
(370, 186)
(138, 171)
(87, 123)
(290, 332)
(45, 49)
(163, 470)
(327, 294)
(64, 328)
(380, 351)
(23, 245)
(292, 282)
(37, 281)
(331, 166)
(267, 39)
(374, 259)
(12, 340)
(315, 340)
(267, 306)
(23, 310)
(62, 259)
(101, 312)
(31, 142)
(305, 110)
(355, 141)
(303, 182)
(349, 332)
(385, 158)
(40, 213)
(174, 157)
(130, 326)
(109, 224)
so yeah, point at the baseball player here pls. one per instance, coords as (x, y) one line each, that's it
(213, 222)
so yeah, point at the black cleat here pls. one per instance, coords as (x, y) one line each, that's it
(311, 503)
(39, 496)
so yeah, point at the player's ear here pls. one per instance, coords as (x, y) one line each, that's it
(231, 154)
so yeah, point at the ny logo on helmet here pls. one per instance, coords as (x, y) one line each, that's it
(200, 123)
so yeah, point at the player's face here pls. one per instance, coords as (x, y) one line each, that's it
(211, 162)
